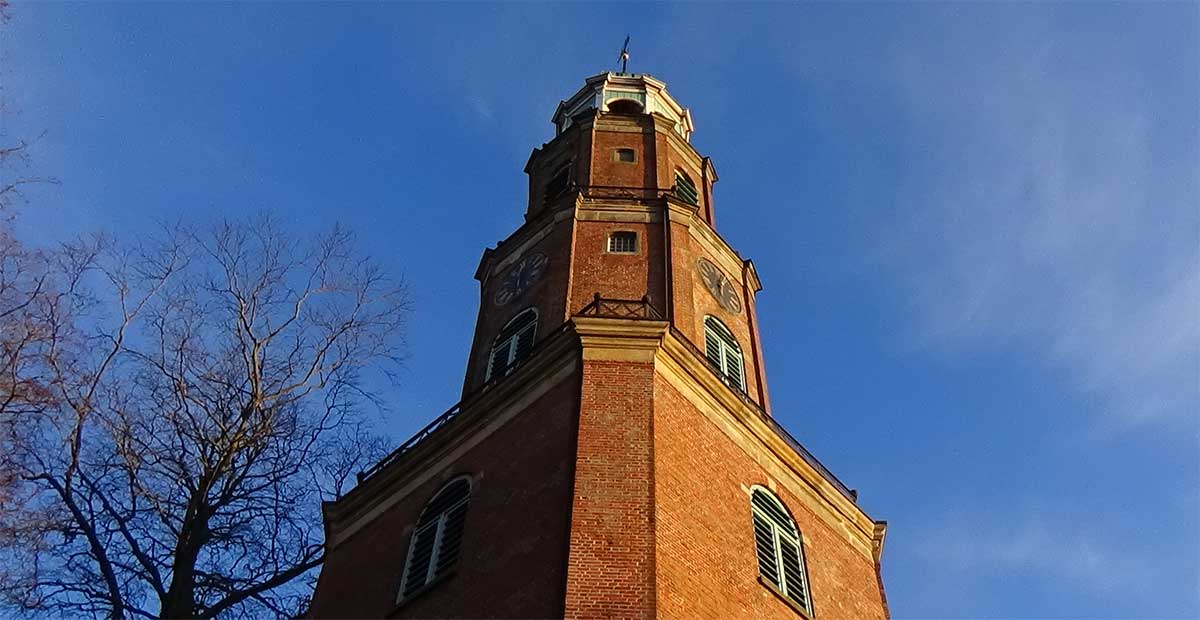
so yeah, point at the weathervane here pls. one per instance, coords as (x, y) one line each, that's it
(624, 57)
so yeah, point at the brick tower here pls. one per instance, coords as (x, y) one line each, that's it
(613, 454)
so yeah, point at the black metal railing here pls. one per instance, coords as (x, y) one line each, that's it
(622, 191)
(412, 442)
(621, 309)
(783, 433)
(610, 308)
(454, 412)
(618, 192)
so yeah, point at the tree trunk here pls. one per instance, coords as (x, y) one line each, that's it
(180, 600)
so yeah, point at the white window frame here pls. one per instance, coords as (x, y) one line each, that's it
(729, 347)
(612, 236)
(438, 540)
(510, 342)
(792, 536)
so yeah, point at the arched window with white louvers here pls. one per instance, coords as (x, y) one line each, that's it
(724, 354)
(779, 548)
(437, 539)
(514, 342)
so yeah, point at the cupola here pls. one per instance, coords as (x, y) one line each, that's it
(624, 93)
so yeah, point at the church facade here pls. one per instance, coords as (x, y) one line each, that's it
(614, 453)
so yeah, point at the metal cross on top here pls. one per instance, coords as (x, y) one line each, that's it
(624, 57)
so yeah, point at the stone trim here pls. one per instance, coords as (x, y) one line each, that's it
(484, 416)
(625, 340)
(690, 378)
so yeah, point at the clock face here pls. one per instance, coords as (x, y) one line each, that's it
(520, 277)
(719, 285)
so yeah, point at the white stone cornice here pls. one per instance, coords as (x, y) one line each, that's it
(626, 340)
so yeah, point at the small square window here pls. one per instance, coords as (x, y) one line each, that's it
(623, 242)
(628, 156)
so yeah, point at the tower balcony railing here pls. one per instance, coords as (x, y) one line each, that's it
(412, 442)
(622, 192)
(621, 309)
(456, 411)
(555, 198)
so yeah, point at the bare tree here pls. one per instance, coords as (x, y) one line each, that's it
(188, 404)
(14, 151)
(37, 290)
(29, 281)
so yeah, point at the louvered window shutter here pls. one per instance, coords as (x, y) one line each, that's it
(499, 360)
(764, 544)
(793, 572)
(559, 182)
(778, 548)
(514, 342)
(416, 573)
(437, 540)
(733, 369)
(452, 532)
(524, 343)
(713, 350)
(723, 353)
(685, 189)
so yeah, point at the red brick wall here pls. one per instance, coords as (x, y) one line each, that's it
(611, 565)
(513, 562)
(706, 562)
(606, 171)
(548, 295)
(548, 160)
(693, 303)
(617, 276)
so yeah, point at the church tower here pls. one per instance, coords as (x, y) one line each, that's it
(614, 453)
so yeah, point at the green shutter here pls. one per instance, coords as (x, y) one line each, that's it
(499, 360)
(723, 353)
(451, 542)
(685, 189)
(780, 552)
(514, 342)
(764, 545)
(712, 349)
(524, 342)
(417, 571)
(733, 368)
(794, 585)
(437, 539)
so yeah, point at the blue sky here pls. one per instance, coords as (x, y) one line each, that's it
(976, 225)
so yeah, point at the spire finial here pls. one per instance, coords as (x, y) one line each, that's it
(624, 57)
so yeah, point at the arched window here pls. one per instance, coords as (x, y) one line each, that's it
(625, 106)
(559, 182)
(723, 353)
(514, 342)
(780, 552)
(437, 539)
(685, 189)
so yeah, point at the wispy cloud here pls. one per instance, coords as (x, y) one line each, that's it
(1054, 213)
(1039, 544)
(481, 108)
